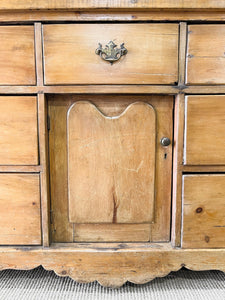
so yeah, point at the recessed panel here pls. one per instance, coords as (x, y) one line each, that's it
(111, 164)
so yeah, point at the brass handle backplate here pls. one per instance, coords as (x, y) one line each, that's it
(111, 53)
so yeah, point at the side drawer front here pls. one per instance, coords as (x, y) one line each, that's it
(203, 211)
(18, 130)
(20, 222)
(205, 54)
(70, 58)
(204, 130)
(17, 59)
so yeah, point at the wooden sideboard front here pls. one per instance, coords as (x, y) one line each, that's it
(112, 138)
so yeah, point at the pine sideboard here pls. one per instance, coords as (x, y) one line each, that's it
(112, 126)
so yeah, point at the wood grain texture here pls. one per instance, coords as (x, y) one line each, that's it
(111, 15)
(205, 54)
(152, 56)
(20, 216)
(111, 4)
(203, 211)
(177, 170)
(38, 53)
(18, 130)
(111, 232)
(17, 43)
(44, 162)
(114, 89)
(113, 264)
(111, 89)
(61, 229)
(20, 169)
(111, 164)
(182, 53)
(203, 169)
(111, 105)
(204, 130)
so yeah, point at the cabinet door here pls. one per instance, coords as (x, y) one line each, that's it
(110, 175)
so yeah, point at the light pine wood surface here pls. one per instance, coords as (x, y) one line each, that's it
(47, 69)
(70, 58)
(113, 106)
(18, 130)
(203, 211)
(204, 130)
(17, 61)
(112, 15)
(112, 265)
(20, 209)
(111, 164)
(205, 54)
(107, 4)
(112, 232)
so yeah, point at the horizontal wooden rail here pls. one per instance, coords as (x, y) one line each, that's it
(110, 4)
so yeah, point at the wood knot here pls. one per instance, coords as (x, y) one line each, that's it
(207, 239)
(64, 272)
(199, 210)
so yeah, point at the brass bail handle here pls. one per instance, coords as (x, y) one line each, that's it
(111, 53)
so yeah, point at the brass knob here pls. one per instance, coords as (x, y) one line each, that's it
(111, 53)
(165, 141)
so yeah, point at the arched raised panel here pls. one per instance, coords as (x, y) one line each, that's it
(111, 164)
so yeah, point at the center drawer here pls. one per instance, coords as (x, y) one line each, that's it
(110, 53)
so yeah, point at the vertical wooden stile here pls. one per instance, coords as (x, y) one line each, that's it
(178, 141)
(177, 169)
(42, 136)
(182, 53)
(38, 54)
(44, 177)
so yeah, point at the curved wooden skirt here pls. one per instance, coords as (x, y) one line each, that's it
(112, 264)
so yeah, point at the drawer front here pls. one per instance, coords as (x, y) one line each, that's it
(18, 130)
(70, 58)
(203, 211)
(204, 130)
(205, 55)
(17, 60)
(20, 222)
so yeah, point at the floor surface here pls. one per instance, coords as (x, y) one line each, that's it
(40, 284)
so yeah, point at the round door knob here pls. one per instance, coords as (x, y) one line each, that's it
(165, 141)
